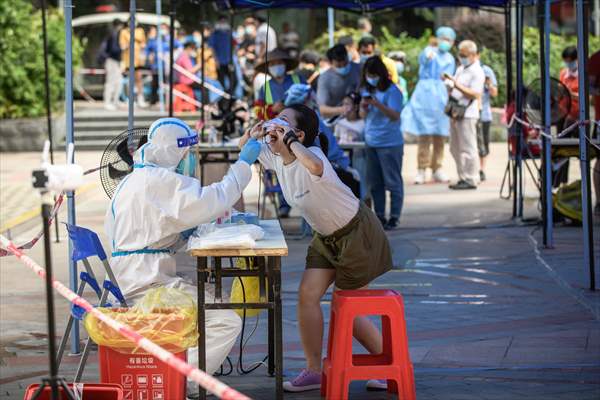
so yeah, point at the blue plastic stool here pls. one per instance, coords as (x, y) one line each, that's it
(86, 244)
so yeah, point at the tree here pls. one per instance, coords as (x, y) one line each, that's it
(22, 92)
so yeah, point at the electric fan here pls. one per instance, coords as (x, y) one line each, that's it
(116, 161)
(560, 101)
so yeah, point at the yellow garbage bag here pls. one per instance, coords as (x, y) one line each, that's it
(166, 316)
(250, 291)
(567, 200)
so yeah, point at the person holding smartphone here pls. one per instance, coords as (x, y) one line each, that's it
(381, 106)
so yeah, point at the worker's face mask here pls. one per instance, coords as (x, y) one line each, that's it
(571, 65)
(277, 71)
(373, 80)
(187, 165)
(399, 67)
(465, 61)
(444, 46)
(343, 70)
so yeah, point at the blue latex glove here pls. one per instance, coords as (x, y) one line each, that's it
(296, 94)
(250, 151)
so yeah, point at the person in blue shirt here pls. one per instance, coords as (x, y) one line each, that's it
(381, 106)
(424, 114)
(220, 41)
(151, 52)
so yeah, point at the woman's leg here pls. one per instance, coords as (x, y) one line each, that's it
(375, 176)
(391, 166)
(314, 284)
(367, 333)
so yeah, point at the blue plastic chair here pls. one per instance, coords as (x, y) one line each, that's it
(86, 244)
(272, 191)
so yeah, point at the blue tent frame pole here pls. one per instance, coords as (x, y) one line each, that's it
(159, 52)
(171, 46)
(331, 25)
(547, 217)
(68, 11)
(584, 106)
(132, 94)
(518, 168)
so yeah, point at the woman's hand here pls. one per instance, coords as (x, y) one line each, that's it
(257, 130)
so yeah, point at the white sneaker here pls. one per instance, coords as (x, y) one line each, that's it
(110, 107)
(420, 178)
(377, 384)
(141, 102)
(440, 176)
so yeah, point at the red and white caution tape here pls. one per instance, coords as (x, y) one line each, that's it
(202, 378)
(29, 244)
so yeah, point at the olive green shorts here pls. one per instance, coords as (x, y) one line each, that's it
(359, 252)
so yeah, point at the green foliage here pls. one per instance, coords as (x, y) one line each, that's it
(321, 43)
(411, 46)
(22, 90)
(494, 56)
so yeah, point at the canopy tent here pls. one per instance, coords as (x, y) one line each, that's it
(366, 6)
(362, 6)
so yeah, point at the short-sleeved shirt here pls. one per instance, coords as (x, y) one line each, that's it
(471, 77)
(486, 106)
(185, 62)
(333, 86)
(380, 130)
(278, 89)
(571, 81)
(335, 154)
(325, 202)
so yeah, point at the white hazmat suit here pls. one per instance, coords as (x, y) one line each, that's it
(151, 207)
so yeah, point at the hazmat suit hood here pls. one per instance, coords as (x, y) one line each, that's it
(168, 141)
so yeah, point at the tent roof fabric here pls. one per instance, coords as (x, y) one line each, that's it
(359, 5)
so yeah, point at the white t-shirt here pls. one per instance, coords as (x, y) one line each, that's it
(473, 78)
(349, 131)
(325, 202)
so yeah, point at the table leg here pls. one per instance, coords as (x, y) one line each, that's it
(202, 263)
(218, 283)
(276, 264)
(271, 320)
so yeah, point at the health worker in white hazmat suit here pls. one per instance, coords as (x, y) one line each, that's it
(152, 209)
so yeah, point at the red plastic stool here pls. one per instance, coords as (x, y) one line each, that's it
(340, 367)
(179, 104)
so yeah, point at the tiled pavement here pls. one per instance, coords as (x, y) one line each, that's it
(487, 319)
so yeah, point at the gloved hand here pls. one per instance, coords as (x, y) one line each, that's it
(250, 151)
(297, 94)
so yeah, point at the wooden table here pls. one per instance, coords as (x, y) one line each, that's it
(267, 258)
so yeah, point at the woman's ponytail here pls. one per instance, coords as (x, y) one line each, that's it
(324, 143)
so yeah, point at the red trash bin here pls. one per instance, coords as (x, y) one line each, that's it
(91, 391)
(142, 376)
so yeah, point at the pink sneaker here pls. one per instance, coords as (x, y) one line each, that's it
(307, 380)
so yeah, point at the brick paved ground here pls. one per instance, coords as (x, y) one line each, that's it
(488, 318)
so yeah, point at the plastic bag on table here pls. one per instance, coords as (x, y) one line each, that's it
(166, 316)
(211, 236)
(246, 291)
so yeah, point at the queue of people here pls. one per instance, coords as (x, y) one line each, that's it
(358, 92)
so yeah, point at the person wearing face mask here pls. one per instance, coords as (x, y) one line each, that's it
(467, 86)
(139, 41)
(272, 94)
(381, 106)
(309, 67)
(335, 83)
(424, 115)
(367, 47)
(399, 58)
(569, 78)
(351, 48)
(162, 42)
(186, 61)
(220, 43)
(153, 212)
